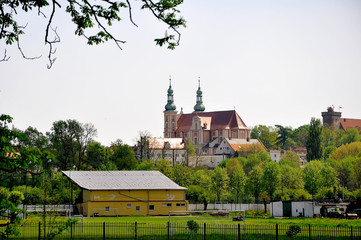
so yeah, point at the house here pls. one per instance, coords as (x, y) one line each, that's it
(275, 155)
(116, 193)
(232, 147)
(156, 148)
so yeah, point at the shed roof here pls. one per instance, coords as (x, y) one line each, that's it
(122, 180)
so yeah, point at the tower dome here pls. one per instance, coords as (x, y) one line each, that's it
(199, 107)
(170, 106)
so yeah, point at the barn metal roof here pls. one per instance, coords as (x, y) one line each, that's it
(122, 180)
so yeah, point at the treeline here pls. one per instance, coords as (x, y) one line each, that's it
(31, 163)
(283, 138)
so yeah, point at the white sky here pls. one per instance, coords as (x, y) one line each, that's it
(276, 62)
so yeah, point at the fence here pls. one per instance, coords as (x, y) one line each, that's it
(180, 231)
(228, 206)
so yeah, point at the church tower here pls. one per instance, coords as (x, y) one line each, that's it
(170, 115)
(199, 107)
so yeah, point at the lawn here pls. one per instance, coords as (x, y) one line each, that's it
(331, 222)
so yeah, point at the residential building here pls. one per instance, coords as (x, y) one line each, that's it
(157, 148)
(122, 193)
(275, 155)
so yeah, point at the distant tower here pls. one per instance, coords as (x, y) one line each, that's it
(170, 114)
(331, 118)
(199, 107)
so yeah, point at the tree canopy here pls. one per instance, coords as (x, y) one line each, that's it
(92, 20)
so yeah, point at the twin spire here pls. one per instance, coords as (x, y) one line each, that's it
(170, 106)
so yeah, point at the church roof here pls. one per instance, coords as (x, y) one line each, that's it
(347, 123)
(122, 180)
(215, 120)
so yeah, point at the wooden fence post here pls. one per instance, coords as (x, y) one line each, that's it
(39, 233)
(309, 231)
(135, 231)
(276, 231)
(103, 230)
(204, 231)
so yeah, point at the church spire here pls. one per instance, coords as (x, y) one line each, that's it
(199, 107)
(170, 106)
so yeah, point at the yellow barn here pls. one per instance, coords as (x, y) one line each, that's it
(117, 193)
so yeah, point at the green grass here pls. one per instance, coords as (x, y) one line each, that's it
(330, 222)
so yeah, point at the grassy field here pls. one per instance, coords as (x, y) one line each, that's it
(331, 222)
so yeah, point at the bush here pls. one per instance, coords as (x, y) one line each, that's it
(193, 226)
(293, 231)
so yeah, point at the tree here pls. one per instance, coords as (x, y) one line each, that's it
(254, 183)
(266, 134)
(15, 160)
(312, 176)
(70, 139)
(31, 137)
(95, 155)
(313, 143)
(238, 183)
(290, 157)
(291, 178)
(283, 134)
(271, 177)
(351, 135)
(201, 185)
(347, 150)
(182, 175)
(220, 181)
(9, 202)
(122, 155)
(91, 20)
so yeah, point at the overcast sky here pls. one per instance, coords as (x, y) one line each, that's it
(275, 62)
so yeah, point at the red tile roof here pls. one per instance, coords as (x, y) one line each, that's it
(347, 123)
(215, 120)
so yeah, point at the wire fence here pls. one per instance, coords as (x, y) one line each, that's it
(180, 231)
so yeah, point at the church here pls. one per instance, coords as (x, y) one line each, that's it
(207, 130)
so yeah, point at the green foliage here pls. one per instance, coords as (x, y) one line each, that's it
(328, 151)
(271, 177)
(290, 158)
(146, 165)
(267, 136)
(254, 184)
(347, 150)
(165, 167)
(238, 183)
(91, 19)
(312, 176)
(182, 175)
(220, 181)
(283, 135)
(193, 226)
(313, 143)
(122, 155)
(293, 231)
(60, 228)
(95, 155)
(32, 195)
(9, 202)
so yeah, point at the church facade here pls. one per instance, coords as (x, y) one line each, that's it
(207, 130)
